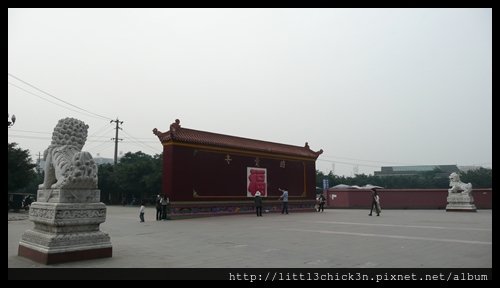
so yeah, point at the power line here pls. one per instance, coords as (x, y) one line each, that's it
(94, 147)
(349, 163)
(140, 146)
(151, 141)
(29, 131)
(49, 100)
(30, 137)
(140, 142)
(34, 87)
(48, 138)
(105, 127)
(49, 133)
(362, 160)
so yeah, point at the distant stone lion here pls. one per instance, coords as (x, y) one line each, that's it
(66, 166)
(458, 186)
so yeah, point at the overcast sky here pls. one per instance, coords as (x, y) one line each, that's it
(371, 87)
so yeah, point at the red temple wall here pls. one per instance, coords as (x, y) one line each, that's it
(167, 179)
(189, 168)
(402, 198)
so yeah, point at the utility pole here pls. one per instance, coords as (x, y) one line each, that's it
(38, 166)
(116, 137)
(355, 170)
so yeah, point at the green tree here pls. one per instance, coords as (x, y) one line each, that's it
(154, 179)
(110, 192)
(138, 175)
(21, 171)
(319, 180)
(479, 178)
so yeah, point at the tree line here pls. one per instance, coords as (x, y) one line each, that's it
(137, 176)
(480, 178)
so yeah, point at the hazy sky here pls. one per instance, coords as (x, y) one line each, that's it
(371, 87)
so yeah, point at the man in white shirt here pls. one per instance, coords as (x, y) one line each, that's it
(284, 199)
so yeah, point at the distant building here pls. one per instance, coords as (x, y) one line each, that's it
(101, 160)
(445, 170)
(469, 168)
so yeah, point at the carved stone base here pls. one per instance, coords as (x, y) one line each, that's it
(460, 203)
(65, 232)
(52, 258)
(69, 195)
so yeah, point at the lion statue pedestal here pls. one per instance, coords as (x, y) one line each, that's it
(459, 195)
(68, 210)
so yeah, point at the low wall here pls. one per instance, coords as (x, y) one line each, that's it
(190, 209)
(402, 198)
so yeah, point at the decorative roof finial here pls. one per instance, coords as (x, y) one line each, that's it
(156, 132)
(175, 126)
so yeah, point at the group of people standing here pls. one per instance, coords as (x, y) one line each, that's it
(284, 202)
(320, 202)
(161, 204)
(161, 208)
(283, 198)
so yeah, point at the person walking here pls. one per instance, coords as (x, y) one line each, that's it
(284, 199)
(258, 204)
(322, 201)
(141, 212)
(158, 207)
(26, 202)
(164, 203)
(375, 202)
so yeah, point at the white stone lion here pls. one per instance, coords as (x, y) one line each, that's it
(458, 186)
(66, 166)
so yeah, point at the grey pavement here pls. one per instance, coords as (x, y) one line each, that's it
(336, 238)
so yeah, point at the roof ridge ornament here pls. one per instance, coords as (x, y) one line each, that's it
(175, 126)
(157, 132)
(316, 153)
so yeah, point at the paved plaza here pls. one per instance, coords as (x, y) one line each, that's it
(336, 238)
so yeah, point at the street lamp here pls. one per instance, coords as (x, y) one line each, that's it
(11, 120)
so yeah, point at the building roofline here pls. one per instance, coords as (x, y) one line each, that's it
(185, 135)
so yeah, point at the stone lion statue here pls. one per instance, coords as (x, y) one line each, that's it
(458, 186)
(66, 166)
